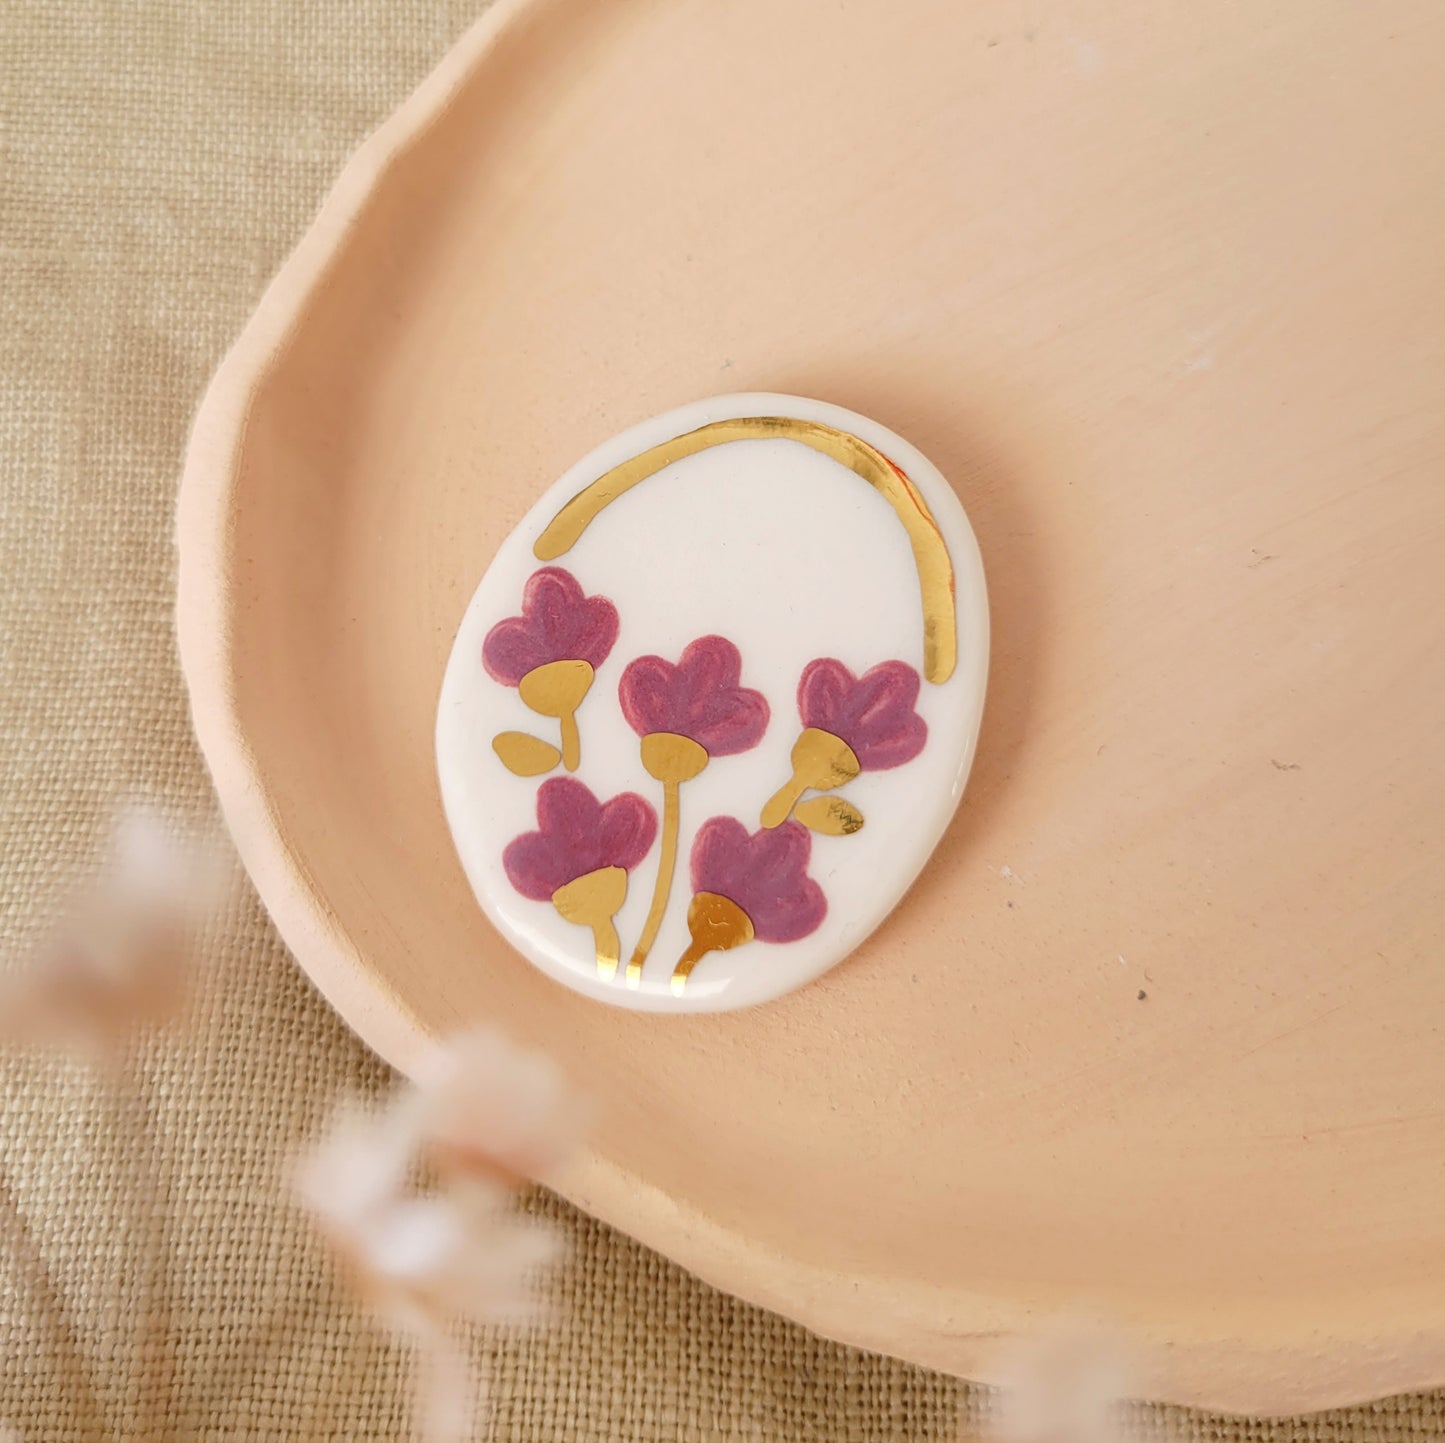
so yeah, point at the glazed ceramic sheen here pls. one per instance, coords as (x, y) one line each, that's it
(714, 702)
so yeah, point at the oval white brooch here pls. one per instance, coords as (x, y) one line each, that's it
(714, 702)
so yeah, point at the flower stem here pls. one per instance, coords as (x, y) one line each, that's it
(716, 923)
(696, 951)
(821, 760)
(609, 948)
(571, 741)
(666, 867)
(592, 900)
(781, 803)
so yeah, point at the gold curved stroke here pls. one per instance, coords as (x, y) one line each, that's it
(930, 555)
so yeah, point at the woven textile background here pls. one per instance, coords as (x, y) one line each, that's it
(157, 160)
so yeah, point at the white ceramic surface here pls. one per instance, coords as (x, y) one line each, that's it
(791, 557)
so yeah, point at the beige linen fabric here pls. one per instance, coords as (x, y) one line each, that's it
(157, 159)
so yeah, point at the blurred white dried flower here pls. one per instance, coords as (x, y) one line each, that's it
(1064, 1383)
(459, 1253)
(121, 958)
(485, 1113)
(492, 1109)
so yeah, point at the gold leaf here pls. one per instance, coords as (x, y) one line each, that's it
(832, 816)
(525, 756)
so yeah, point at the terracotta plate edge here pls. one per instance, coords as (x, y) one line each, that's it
(945, 1330)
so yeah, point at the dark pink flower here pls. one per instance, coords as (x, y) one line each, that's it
(764, 872)
(699, 697)
(874, 713)
(577, 834)
(558, 623)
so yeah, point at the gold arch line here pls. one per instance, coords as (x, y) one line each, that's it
(930, 555)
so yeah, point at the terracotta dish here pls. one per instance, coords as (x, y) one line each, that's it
(1158, 1032)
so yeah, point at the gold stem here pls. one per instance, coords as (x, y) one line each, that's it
(666, 866)
(696, 951)
(782, 802)
(609, 948)
(571, 741)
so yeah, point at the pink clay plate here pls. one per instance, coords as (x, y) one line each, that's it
(1157, 1032)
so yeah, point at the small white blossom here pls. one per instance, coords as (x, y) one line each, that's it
(121, 959)
(490, 1107)
(1064, 1384)
(460, 1253)
(486, 1114)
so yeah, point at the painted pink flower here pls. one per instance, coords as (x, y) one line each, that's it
(577, 834)
(558, 623)
(764, 872)
(874, 713)
(699, 697)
